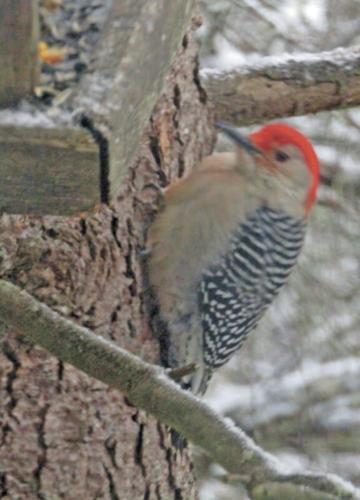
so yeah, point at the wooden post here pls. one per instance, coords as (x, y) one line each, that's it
(18, 49)
(133, 57)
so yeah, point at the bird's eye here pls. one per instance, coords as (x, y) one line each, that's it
(281, 156)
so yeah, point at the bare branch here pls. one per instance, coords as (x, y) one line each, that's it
(288, 86)
(148, 387)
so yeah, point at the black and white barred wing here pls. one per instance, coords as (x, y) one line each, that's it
(236, 290)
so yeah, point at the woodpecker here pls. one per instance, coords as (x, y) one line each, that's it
(225, 241)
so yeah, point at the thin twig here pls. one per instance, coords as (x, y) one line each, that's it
(181, 372)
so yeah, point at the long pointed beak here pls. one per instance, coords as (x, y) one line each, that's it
(239, 139)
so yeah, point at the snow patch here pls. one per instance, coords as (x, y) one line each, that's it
(18, 118)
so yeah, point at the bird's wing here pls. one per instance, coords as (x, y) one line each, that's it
(235, 291)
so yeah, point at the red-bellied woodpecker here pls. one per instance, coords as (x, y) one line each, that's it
(225, 242)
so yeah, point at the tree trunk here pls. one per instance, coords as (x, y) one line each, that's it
(62, 434)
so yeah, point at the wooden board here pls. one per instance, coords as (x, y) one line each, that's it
(52, 171)
(18, 49)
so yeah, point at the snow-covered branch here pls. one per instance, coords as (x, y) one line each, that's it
(285, 86)
(149, 388)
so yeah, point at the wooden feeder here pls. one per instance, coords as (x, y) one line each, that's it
(70, 163)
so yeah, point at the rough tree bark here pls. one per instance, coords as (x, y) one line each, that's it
(63, 435)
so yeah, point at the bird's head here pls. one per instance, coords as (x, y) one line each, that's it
(284, 152)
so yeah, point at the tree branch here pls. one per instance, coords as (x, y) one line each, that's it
(148, 387)
(288, 86)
